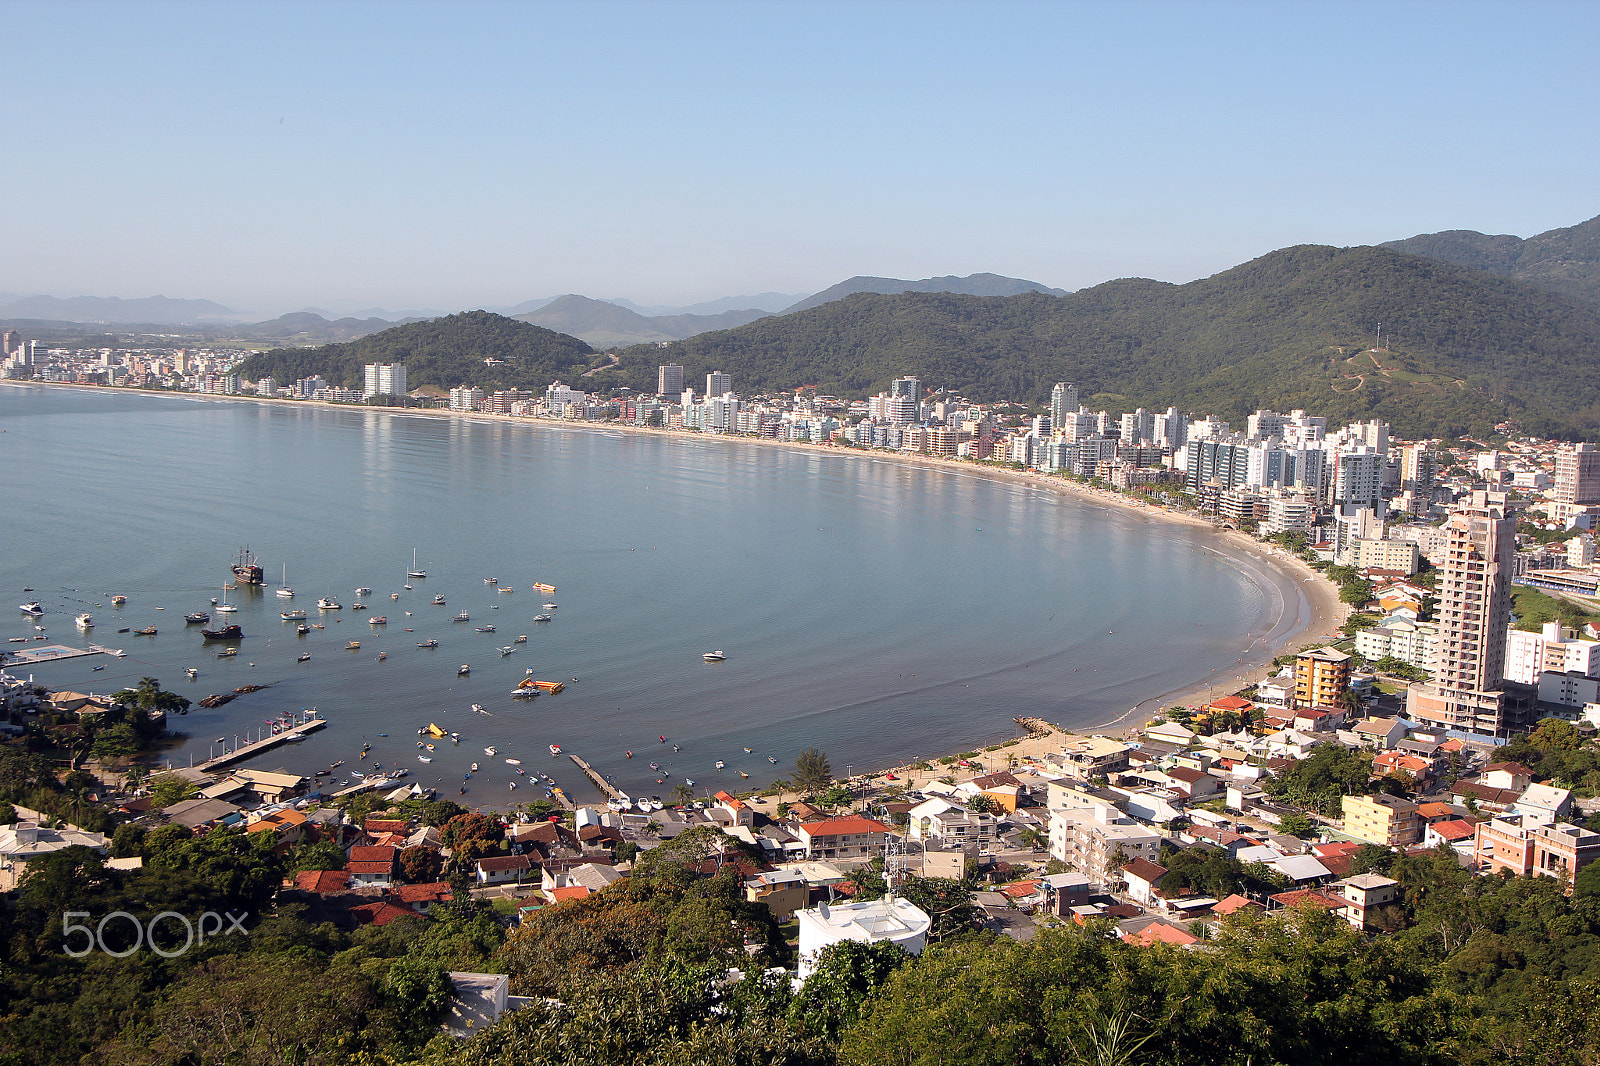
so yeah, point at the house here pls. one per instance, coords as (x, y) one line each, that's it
(1508, 775)
(1396, 762)
(1144, 879)
(737, 810)
(1171, 733)
(24, 841)
(1064, 891)
(1320, 898)
(1088, 757)
(1237, 706)
(420, 897)
(1456, 834)
(1301, 869)
(1495, 799)
(498, 869)
(783, 891)
(287, 827)
(372, 865)
(323, 882)
(953, 826)
(1546, 802)
(1236, 904)
(381, 913)
(1317, 719)
(1159, 932)
(1195, 786)
(593, 876)
(891, 919)
(1365, 895)
(198, 814)
(851, 839)
(1380, 733)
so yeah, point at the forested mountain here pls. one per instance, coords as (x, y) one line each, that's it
(971, 285)
(1462, 349)
(599, 322)
(1563, 260)
(439, 352)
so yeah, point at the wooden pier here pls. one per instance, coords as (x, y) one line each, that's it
(249, 751)
(606, 788)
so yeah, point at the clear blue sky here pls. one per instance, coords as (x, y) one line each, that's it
(277, 155)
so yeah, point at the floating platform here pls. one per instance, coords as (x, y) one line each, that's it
(34, 654)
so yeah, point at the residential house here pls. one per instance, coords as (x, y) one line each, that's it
(1365, 897)
(499, 869)
(1510, 775)
(1380, 733)
(372, 865)
(1545, 802)
(850, 839)
(783, 891)
(1143, 878)
(952, 825)
(1456, 834)
(1089, 757)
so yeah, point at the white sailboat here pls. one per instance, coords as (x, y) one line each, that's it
(414, 572)
(225, 607)
(283, 584)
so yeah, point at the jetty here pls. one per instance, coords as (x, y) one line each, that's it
(606, 788)
(250, 751)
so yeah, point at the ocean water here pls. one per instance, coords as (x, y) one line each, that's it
(877, 610)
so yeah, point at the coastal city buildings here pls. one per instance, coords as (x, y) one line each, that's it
(1321, 677)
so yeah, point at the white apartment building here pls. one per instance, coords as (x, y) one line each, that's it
(1416, 643)
(1090, 839)
(385, 379)
(1554, 649)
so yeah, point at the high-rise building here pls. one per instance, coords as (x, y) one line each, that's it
(385, 379)
(1063, 402)
(669, 382)
(1419, 468)
(1468, 692)
(1321, 676)
(1578, 475)
(718, 383)
(909, 389)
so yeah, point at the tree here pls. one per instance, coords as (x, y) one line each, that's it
(169, 789)
(812, 772)
(316, 855)
(1298, 825)
(843, 975)
(421, 865)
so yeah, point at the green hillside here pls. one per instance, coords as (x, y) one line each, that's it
(439, 352)
(1464, 349)
(1563, 260)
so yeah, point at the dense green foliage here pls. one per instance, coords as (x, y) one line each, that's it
(1287, 330)
(1563, 260)
(440, 352)
(1557, 752)
(1323, 778)
(1533, 608)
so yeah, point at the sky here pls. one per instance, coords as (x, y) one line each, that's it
(274, 156)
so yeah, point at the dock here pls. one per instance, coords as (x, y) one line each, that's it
(607, 789)
(33, 655)
(250, 751)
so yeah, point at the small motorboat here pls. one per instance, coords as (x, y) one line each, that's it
(84, 621)
(521, 640)
(743, 774)
(507, 650)
(474, 767)
(549, 606)
(504, 589)
(302, 629)
(363, 592)
(771, 760)
(464, 670)
(462, 617)
(541, 618)
(292, 616)
(689, 781)
(358, 607)
(438, 601)
(118, 601)
(394, 595)
(147, 631)
(354, 645)
(478, 707)
(227, 653)
(514, 762)
(719, 764)
(491, 581)
(424, 758)
(30, 608)
(382, 655)
(655, 766)
(197, 618)
(192, 672)
(428, 644)
(485, 629)
(328, 603)
(377, 620)
(511, 785)
(555, 749)
(714, 656)
(490, 750)
(304, 658)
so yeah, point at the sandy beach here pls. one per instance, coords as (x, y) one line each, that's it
(1317, 614)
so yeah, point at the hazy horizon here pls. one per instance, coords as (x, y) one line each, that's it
(361, 155)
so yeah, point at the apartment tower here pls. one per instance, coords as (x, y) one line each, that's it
(1468, 691)
(669, 382)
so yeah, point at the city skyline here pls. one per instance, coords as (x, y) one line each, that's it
(354, 155)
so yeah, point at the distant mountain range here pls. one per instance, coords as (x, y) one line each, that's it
(1562, 260)
(607, 324)
(154, 310)
(971, 285)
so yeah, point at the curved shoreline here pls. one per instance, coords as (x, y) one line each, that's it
(1317, 611)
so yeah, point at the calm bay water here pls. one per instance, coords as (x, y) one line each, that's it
(873, 609)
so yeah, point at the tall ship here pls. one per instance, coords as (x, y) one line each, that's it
(225, 633)
(246, 570)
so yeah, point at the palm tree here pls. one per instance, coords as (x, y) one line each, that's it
(683, 794)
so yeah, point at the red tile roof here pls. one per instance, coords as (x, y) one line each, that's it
(1234, 903)
(561, 895)
(322, 880)
(1144, 870)
(1454, 830)
(432, 892)
(832, 827)
(1020, 889)
(1162, 933)
(1309, 897)
(373, 853)
(381, 913)
(369, 867)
